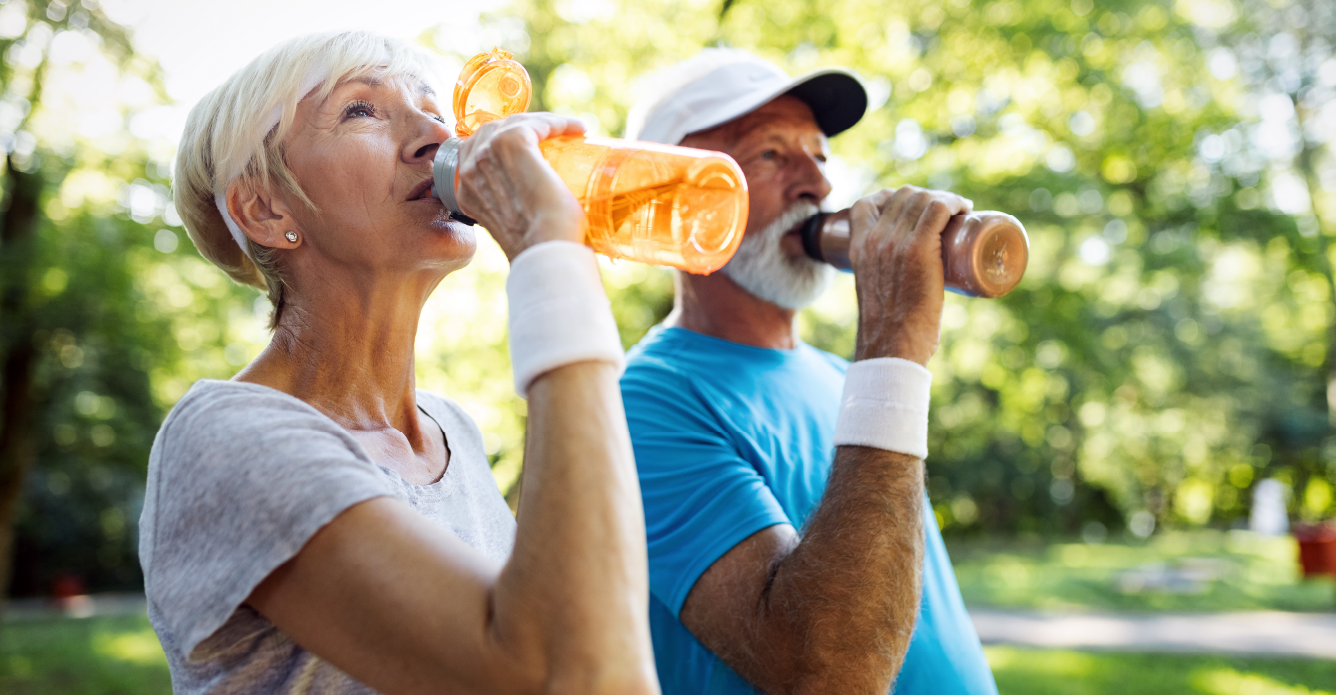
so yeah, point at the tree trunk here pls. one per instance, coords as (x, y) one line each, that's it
(1306, 163)
(1308, 171)
(17, 450)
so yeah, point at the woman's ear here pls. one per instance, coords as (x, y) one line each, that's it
(263, 218)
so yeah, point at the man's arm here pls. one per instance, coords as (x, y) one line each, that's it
(834, 611)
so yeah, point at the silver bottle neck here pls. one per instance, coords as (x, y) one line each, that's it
(443, 170)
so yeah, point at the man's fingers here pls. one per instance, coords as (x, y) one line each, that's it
(937, 212)
(901, 198)
(932, 221)
(864, 213)
(928, 212)
(906, 220)
(880, 198)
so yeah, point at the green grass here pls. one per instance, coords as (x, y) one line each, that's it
(97, 656)
(1255, 573)
(109, 656)
(1028, 672)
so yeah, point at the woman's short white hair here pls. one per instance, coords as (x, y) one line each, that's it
(237, 132)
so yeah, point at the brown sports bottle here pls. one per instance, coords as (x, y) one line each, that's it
(983, 253)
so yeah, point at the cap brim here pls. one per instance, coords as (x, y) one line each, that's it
(837, 98)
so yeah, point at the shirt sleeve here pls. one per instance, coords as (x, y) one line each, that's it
(701, 496)
(239, 481)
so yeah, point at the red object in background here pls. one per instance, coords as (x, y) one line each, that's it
(1317, 548)
(71, 596)
(67, 586)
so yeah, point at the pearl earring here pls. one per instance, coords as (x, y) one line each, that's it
(291, 236)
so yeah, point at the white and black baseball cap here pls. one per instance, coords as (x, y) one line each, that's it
(721, 84)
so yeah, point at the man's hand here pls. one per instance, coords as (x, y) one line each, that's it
(896, 251)
(507, 186)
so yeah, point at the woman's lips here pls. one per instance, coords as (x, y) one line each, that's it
(422, 191)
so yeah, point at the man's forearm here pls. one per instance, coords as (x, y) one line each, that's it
(850, 590)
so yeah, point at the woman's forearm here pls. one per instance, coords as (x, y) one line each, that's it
(576, 587)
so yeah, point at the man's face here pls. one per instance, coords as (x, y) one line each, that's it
(782, 152)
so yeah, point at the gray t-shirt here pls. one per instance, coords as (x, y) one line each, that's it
(240, 477)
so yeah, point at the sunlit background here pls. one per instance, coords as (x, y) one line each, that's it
(1096, 436)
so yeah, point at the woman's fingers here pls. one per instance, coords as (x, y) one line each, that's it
(548, 125)
(510, 189)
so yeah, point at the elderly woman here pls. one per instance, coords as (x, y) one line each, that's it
(317, 524)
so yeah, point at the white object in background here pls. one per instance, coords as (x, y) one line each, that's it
(1268, 508)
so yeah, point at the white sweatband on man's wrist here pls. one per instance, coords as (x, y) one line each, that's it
(885, 406)
(559, 313)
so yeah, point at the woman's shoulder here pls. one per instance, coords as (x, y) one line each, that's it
(234, 419)
(235, 406)
(219, 395)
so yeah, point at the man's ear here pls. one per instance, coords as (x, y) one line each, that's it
(262, 217)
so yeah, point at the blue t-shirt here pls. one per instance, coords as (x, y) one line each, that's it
(730, 439)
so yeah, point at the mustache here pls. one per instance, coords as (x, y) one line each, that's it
(791, 218)
(762, 268)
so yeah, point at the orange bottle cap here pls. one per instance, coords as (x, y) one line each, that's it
(490, 87)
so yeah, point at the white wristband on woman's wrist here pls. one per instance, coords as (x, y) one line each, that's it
(559, 313)
(885, 406)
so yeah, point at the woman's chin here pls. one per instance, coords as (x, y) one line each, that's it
(450, 240)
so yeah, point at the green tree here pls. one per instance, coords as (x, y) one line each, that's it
(1167, 346)
(106, 316)
(1171, 344)
(1283, 55)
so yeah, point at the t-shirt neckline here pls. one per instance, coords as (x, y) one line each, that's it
(680, 333)
(449, 463)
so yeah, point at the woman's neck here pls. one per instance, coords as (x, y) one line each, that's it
(347, 349)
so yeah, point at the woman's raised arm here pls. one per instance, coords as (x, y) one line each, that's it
(405, 607)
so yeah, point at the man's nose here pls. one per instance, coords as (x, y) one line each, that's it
(809, 179)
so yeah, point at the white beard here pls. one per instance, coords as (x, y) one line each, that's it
(761, 268)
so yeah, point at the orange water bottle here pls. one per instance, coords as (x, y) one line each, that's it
(659, 204)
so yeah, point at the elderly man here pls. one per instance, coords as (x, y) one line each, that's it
(791, 546)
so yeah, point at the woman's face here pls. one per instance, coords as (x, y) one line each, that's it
(364, 156)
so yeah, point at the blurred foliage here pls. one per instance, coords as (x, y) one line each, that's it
(115, 312)
(1170, 346)
(1199, 570)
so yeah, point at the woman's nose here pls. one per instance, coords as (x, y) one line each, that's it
(428, 138)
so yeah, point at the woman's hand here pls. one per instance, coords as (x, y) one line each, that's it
(507, 186)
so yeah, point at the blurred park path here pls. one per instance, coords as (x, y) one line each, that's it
(1248, 632)
(96, 605)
